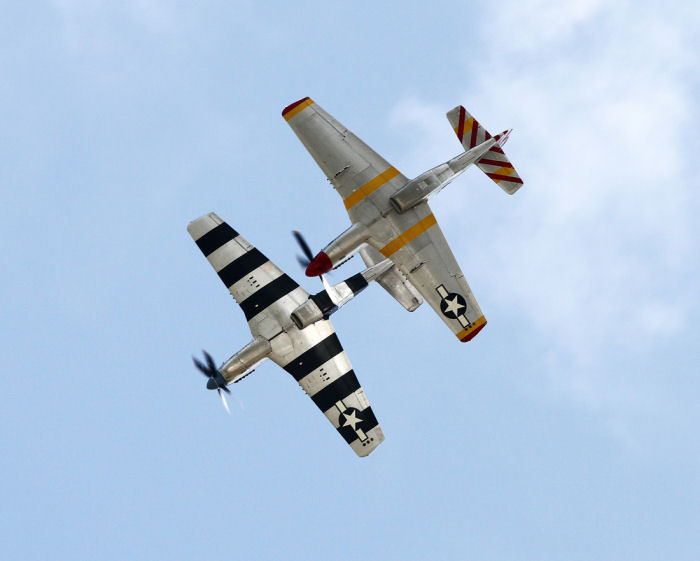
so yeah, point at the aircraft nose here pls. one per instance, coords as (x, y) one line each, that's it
(319, 265)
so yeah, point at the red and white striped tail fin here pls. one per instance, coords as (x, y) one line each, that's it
(467, 128)
(494, 163)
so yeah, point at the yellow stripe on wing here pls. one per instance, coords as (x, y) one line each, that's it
(370, 187)
(408, 236)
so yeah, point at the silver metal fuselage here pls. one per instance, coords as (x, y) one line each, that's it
(430, 183)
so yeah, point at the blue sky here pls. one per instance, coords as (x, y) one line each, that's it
(566, 430)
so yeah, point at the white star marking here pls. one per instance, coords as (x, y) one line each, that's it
(352, 420)
(453, 305)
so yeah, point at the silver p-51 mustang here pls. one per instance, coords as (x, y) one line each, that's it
(390, 215)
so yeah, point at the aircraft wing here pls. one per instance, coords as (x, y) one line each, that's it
(317, 361)
(263, 291)
(422, 254)
(314, 355)
(363, 179)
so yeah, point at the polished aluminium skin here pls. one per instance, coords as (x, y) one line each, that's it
(390, 215)
(291, 328)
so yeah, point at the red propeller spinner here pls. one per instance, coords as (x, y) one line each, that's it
(319, 265)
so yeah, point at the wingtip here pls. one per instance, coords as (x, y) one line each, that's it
(374, 438)
(296, 107)
(200, 226)
(473, 332)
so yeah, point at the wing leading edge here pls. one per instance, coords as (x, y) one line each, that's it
(363, 179)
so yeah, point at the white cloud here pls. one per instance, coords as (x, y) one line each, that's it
(538, 23)
(589, 250)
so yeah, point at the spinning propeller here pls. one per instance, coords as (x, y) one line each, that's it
(317, 261)
(308, 256)
(215, 379)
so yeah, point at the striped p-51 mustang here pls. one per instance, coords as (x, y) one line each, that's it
(290, 327)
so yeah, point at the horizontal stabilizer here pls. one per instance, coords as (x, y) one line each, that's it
(494, 163)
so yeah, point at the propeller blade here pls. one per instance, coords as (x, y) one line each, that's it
(223, 400)
(240, 403)
(216, 381)
(304, 246)
(201, 367)
(210, 362)
(306, 250)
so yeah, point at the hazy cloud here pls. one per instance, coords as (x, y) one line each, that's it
(591, 249)
(99, 25)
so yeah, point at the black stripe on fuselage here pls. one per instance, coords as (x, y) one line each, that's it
(369, 421)
(356, 283)
(335, 391)
(310, 360)
(214, 239)
(246, 263)
(269, 294)
(324, 302)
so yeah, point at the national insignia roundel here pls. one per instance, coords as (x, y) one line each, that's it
(350, 418)
(453, 305)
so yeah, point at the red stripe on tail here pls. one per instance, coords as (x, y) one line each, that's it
(460, 127)
(502, 164)
(475, 129)
(499, 177)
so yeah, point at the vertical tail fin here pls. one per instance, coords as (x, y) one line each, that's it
(494, 163)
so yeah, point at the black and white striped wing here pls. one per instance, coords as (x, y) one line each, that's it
(313, 355)
(317, 361)
(264, 292)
